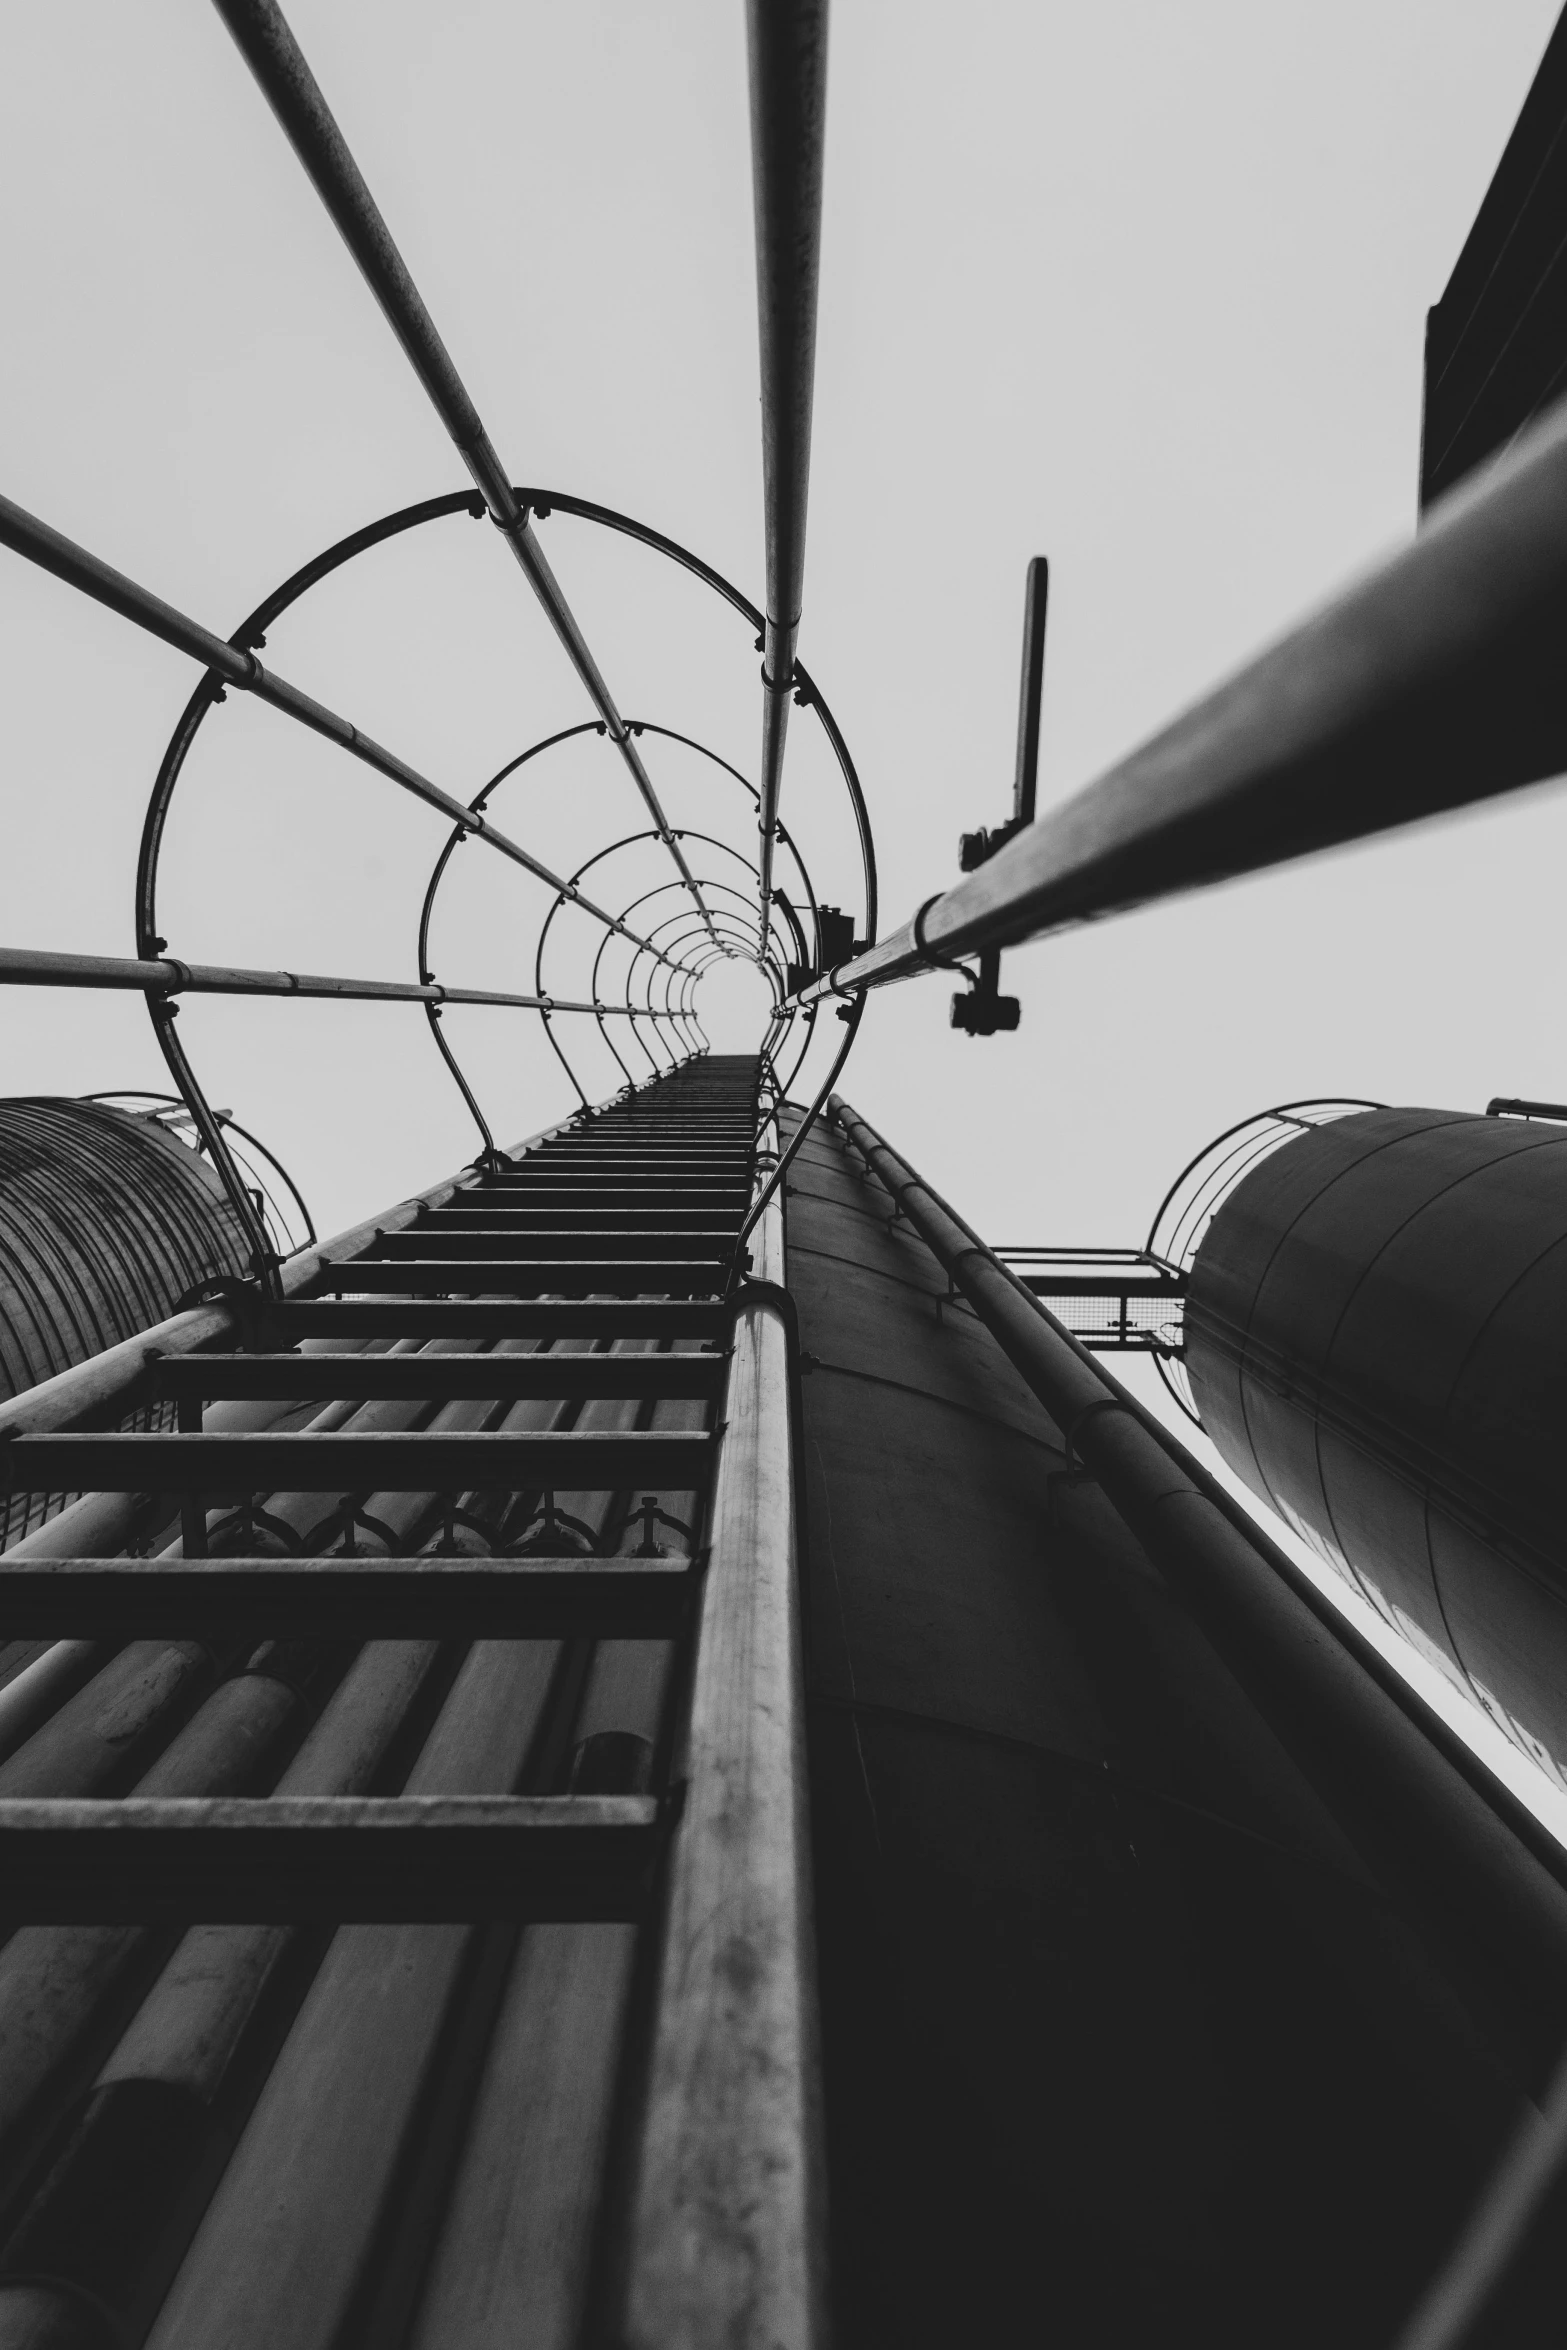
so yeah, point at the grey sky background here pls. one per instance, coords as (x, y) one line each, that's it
(1140, 286)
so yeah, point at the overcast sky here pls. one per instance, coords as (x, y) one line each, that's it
(1139, 286)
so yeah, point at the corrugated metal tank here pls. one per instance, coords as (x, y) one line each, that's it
(106, 1222)
(1376, 1336)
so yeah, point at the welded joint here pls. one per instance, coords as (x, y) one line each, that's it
(509, 525)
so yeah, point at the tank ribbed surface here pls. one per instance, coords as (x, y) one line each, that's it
(1374, 1339)
(105, 1223)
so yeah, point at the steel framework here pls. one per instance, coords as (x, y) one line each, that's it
(604, 1310)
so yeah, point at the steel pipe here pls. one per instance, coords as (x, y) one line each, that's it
(787, 47)
(290, 88)
(1430, 684)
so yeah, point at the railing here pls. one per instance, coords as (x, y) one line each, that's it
(1113, 1300)
(1132, 1300)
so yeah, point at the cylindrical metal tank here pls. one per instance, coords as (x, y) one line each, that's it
(106, 1222)
(1376, 1338)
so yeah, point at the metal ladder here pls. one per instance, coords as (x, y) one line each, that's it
(594, 1425)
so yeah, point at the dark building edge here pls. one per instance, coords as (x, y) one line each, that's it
(1496, 342)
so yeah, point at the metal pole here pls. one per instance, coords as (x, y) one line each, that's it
(290, 88)
(787, 42)
(1430, 684)
(53, 552)
(1036, 600)
(727, 2225)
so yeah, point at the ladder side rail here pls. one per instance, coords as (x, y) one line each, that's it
(727, 2226)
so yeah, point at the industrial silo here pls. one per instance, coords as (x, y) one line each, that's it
(107, 1222)
(1374, 1342)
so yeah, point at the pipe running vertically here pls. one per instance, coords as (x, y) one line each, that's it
(787, 45)
(1031, 689)
(1429, 684)
(262, 35)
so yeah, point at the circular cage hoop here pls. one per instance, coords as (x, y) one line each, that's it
(252, 633)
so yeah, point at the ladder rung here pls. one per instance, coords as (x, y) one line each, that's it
(489, 1317)
(315, 1598)
(1099, 1285)
(555, 1240)
(502, 1276)
(731, 1165)
(588, 1461)
(596, 1182)
(370, 1378)
(567, 1211)
(278, 1858)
